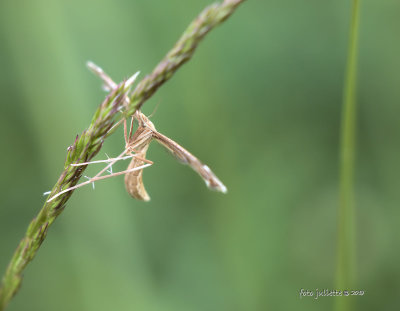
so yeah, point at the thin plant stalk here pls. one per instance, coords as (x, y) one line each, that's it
(89, 143)
(346, 249)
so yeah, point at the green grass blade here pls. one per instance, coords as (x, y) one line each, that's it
(345, 274)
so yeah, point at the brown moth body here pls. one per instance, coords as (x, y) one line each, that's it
(139, 143)
(133, 180)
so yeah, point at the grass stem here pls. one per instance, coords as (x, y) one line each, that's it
(345, 274)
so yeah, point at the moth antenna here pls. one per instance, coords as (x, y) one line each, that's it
(154, 110)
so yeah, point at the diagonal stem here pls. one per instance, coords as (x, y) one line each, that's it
(182, 51)
(91, 140)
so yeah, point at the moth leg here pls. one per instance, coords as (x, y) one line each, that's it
(131, 129)
(125, 133)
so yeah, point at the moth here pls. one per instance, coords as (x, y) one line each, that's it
(139, 141)
(136, 145)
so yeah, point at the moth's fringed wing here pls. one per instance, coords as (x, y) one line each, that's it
(139, 143)
(134, 180)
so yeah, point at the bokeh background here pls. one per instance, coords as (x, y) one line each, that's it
(260, 103)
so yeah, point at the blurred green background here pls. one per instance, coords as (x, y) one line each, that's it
(260, 103)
